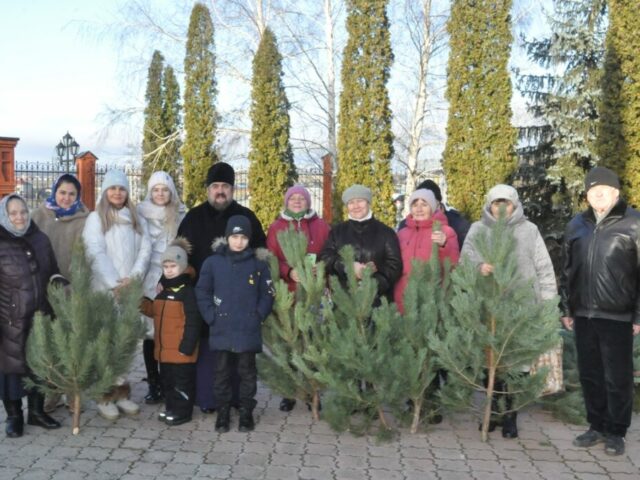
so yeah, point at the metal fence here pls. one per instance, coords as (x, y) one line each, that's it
(35, 180)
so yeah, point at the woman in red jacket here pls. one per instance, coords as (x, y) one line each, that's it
(418, 236)
(297, 212)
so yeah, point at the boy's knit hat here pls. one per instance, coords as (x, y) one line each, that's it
(238, 225)
(299, 189)
(178, 252)
(114, 178)
(356, 191)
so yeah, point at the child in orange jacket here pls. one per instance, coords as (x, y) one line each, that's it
(177, 323)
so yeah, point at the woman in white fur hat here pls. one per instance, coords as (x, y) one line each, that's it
(163, 211)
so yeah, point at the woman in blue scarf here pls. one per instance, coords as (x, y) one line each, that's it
(61, 217)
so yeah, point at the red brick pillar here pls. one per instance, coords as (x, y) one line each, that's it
(86, 170)
(327, 190)
(7, 165)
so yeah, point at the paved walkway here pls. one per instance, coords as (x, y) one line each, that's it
(290, 446)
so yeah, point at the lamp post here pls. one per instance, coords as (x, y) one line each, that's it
(67, 150)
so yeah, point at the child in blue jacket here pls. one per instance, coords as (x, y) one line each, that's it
(234, 297)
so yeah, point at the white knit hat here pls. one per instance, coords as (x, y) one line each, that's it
(114, 178)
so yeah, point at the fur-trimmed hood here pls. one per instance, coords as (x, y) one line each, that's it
(220, 244)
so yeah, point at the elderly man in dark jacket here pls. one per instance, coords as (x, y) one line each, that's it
(376, 245)
(599, 288)
(201, 226)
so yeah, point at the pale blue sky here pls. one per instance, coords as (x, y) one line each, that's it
(60, 70)
(54, 78)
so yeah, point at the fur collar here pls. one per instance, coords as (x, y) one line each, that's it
(220, 244)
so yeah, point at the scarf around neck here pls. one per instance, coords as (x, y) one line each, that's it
(51, 204)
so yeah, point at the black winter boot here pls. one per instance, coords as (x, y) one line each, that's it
(36, 415)
(510, 425)
(287, 404)
(509, 420)
(224, 419)
(496, 419)
(154, 394)
(246, 423)
(15, 420)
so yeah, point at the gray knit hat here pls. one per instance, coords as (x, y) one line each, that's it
(426, 195)
(178, 252)
(503, 192)
(356, 191)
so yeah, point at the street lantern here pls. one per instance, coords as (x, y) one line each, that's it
(67, 150)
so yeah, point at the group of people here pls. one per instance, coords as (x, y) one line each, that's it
(208, 288)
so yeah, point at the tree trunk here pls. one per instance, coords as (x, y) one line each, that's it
(75, 426)
(491, 374)
(383, 419)
(331, 82)
(420, 109)
(315, 406)
(417, 408)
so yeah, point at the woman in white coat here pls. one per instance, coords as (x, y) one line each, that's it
(163, 211)
(118, 245)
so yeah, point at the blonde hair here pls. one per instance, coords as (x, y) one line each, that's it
(108, 213)
(171, 212)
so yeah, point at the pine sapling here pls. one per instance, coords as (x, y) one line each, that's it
(294, 326)
(354, 367)
(91, 340)
(498, 330)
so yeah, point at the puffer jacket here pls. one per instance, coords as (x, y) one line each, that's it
(235, 296)
(415, 244)
(372, 241)
(600, 273)
(117, 253)
(27, 265)
(177, 320)
(533, 260)
(314, 228)
(63, 232)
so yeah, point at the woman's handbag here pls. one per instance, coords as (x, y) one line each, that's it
(551, 359)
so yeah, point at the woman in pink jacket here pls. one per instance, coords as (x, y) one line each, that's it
(418, 236)
(297, 212)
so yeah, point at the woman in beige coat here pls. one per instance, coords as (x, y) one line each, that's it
(61, 217)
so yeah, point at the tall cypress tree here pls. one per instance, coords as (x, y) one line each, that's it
(153, 130)
(558, 150)
(171, 121)
(199, 110)
(365, 139)
(480, 148)
(271, 165)
(619, 132)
